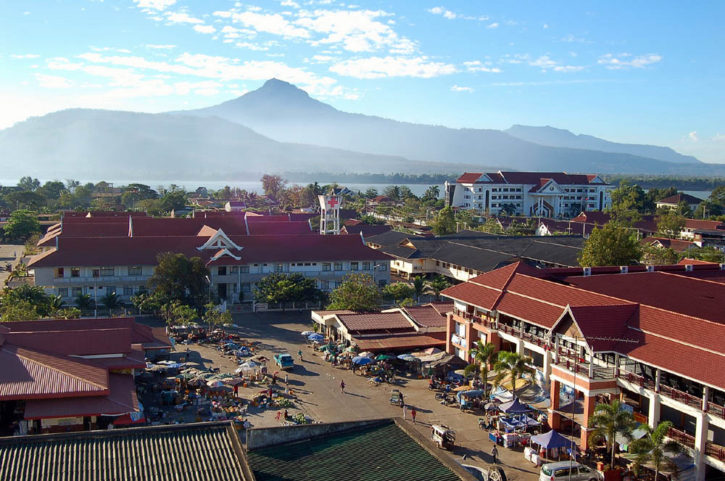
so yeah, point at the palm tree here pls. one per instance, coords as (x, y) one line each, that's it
(608, 421)
(652, 448)
(110, 301)
(514, 365)
(484, 355)
(435, 286)
(55, 303)
(84, 302)
(419, 286)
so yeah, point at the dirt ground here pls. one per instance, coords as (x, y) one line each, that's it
(316, 383)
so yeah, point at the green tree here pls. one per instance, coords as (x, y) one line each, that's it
(371, 193)
(392, 192)
(19, 311)
(466, 219)
(175, 313)
(178, 278)
(21, 225)
(110, 301)
(280, 288)
(484, 356)
(146, 303)
(358, 293)
(273, 186)
(445, 222)
(173, 200)
(213, 317)
(418, 287)
(611, 245)
(435, 285)
(84, 302)
(670, 224)
(28, 183)
(608, 421)
(512, 365)
(67, 313)
(653, 448)
(658, 256)
(492, 226)
(708, 254)
(398, 291)
(431, 194)
(628, 202)
(27, 297)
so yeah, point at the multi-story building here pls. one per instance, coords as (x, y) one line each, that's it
(653, 337)
(532, 194)
(96, 257)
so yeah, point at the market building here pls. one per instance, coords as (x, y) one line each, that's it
(531, 194)
(100, 255)
(70, 375)
(649, 336)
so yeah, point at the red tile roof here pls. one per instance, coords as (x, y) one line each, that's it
(380, 321)
(122, 399)
(536, 177)
(531, 310)
(92, 342)
(698, 224)
(429, 315)
(469, 177)
(678, 245)
(476, 295)
(679, 197)
(406, 342)
(280, 228)
(29, 374)
(602, 325)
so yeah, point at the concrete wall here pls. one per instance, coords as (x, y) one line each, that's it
(262, 437)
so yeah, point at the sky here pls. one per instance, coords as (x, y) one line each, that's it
(637, 72)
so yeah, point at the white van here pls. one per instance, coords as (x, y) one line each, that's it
(568, 470)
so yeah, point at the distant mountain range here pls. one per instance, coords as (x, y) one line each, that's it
(279, 128)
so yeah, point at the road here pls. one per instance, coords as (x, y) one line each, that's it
(318, 386)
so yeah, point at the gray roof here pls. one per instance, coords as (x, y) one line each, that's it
(203, 452)
(484, 252)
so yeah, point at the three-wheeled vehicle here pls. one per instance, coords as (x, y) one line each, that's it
(396, 397)
(443, 436)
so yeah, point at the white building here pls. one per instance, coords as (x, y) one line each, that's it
(541, 194)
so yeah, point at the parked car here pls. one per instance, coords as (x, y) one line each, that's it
(396, 397)
(443, 436)
(562, 470)
(482, 474)
(284, 361)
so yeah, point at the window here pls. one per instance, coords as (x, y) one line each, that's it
(106, 271)
(222, 270)
(96, 273)
(63, 292)
(278, 267)
(354, 266)
(134, 270)
(75, 271)
(326, 266)
(366, 265)
(234, 269)
(142, 289)
(338, 266)
(460, 330)
(244, 269)
(325, 285)
(382, 283)
(128, 291)
(381, 267)
(246, 287)
(59, 271)
(110, 289)
(77, 291)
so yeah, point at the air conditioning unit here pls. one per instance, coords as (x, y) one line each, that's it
(650, 268)
(587, 271)
(688, 267)
(623, 269)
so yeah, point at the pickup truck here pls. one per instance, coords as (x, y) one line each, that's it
(284, 361)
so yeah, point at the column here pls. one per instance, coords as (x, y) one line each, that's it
(658, 376)
(653, 416)
(705, 396)
(449, 331)
(554, 417)
(616, 364)
(700, 440)
(520, 346)
(590, 403)
(547, 365)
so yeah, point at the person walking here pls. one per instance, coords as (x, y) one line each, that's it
(413, 412)
(494, 454)
(286, 379)
(236, 390)
(342, 387)
(299, 353)
(405, 411)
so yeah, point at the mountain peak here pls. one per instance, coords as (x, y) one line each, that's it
(276, 86)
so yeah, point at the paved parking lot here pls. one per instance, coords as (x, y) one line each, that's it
(317, 384)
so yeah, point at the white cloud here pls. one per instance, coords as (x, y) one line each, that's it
(157, 5)
(159, 46)
(204, 29)
(492, 25)
(25, 55)
(289, 3)
(381, 67)
(718, 137)
(53, 81)
(450, 15)
(273, 23)
(182, 17)
(458, 88)
(478, 66)
(110, 49)
(355, 31)
(547, 63)
(626, 60)
(693, 136)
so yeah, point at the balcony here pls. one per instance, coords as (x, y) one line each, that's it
(715, 450)
(681, 396)
(102, 280)
(571, 362)
(716, 410)
(638, 380)
(682, 437)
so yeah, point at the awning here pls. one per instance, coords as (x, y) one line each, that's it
(121, 400)
(387, 343)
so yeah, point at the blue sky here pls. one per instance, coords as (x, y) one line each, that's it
(644, 72)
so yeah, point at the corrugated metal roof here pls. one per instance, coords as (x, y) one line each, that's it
(196, 452)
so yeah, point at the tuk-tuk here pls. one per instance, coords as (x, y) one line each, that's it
(396, 397)
(443, 436)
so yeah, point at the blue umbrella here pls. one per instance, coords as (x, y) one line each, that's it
(407, 357)
(361, 360)
(315, 337)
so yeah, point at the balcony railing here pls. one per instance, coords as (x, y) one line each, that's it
(582, 368)
(714, 450)
(681, 396)
(682, 437)
(716, 410)
(638, 380)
